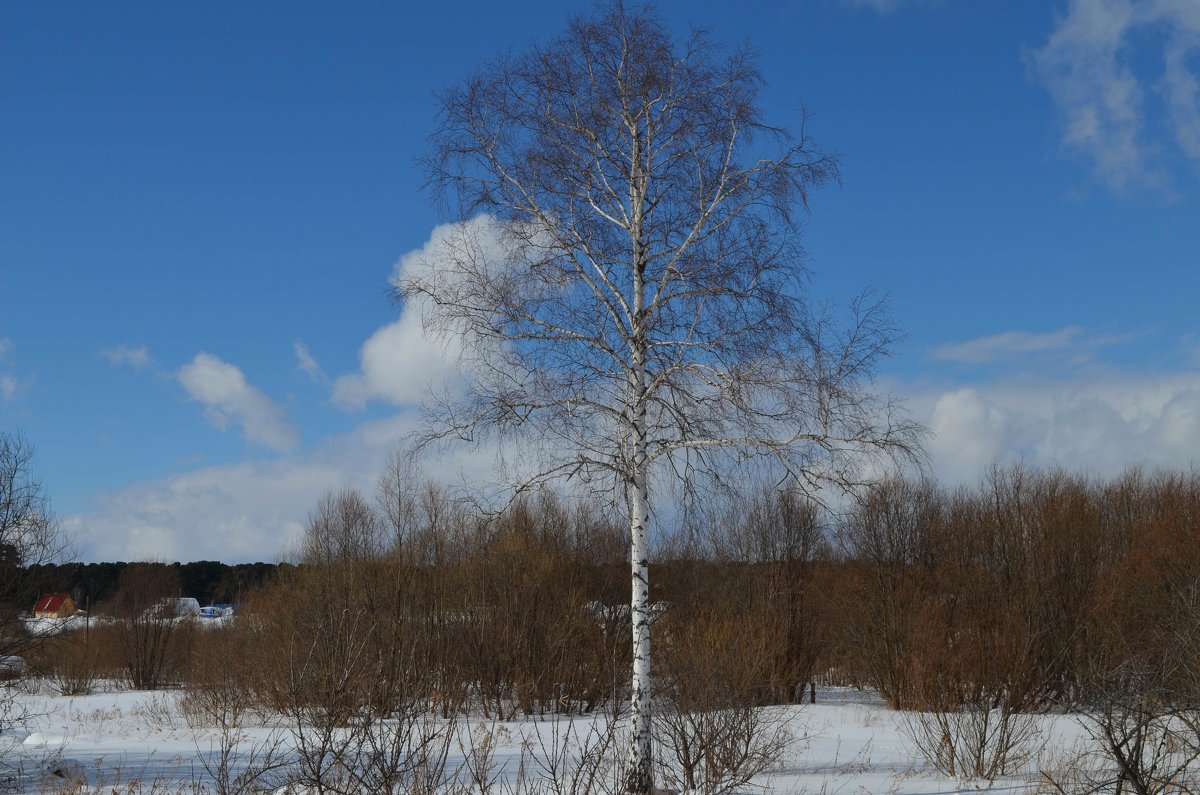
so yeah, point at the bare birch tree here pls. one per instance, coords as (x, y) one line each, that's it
(626, 285)
(30, 535)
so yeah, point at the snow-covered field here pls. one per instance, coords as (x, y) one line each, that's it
(128, 741)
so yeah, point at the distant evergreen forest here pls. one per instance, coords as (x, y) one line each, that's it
(93, 584)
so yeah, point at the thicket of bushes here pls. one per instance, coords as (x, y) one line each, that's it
(1033, 590)
(1026, 591)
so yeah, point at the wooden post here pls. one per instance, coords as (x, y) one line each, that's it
(812, 692)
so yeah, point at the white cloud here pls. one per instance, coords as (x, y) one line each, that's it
(136, 357)
(1098, 424)
(251, 510)
(1008, 345)
(241, 512)
(399, 363)
(1086, 65)
(969, 430)
(6, 345)
(308, 364)
(228, 398)
(1070, 345)
(1180, 84)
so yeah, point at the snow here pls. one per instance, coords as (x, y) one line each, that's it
(179, 611)
(43, 626)
(848, 743)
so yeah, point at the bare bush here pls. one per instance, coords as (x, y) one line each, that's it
(973, 685)
(150, 635)
(75, 666)
(711, 733)
(532, 646)
(716, 751)
(220, 685)
(974, 741)
(890, 542)
(234, 766)
(231, 761)
(1144, 731)
(353, 688)
(773, 544)
(348, 745)
(561, 759)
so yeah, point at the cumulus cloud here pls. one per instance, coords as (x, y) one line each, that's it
(229, 399)
(399, 363)
(136, 357)
(1087, 65)
(307, 364)
(969, 430)
(1098, 424)
(237, 513)
(246, 511)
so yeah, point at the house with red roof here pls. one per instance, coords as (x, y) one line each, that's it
(54, 605)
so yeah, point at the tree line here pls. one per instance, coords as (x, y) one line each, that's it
(96, 584)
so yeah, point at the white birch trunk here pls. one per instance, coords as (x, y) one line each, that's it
(640, 774)
(640, 779)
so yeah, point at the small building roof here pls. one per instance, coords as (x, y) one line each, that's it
(50, 602)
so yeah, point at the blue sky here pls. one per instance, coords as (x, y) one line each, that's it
(201, 206)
